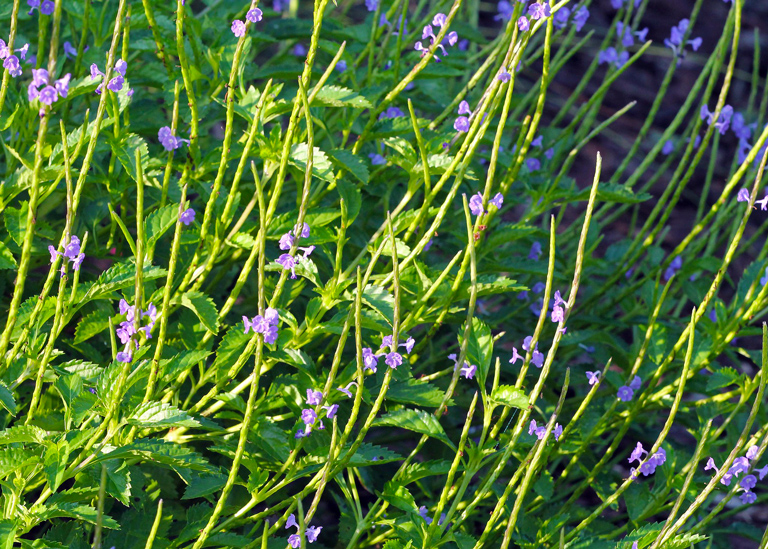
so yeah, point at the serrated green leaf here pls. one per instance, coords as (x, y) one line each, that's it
(381, 301)
(508, 395)
(119, 276)
(352, 198)
(161, 414)
(22, 433)
(722, 377)
(336, 96)
(231, 347)
(321, 166)
(6, 399)
(69, 387)
(125, 150)
(352, 163)
(479, 348)
(398, 496)
(13, 459)
(416, 471)
(415, 392)
(55, 463)
(204, 308)
(203, 484)
(91, 325)
(418, 421)
(159, 451)
(7, 261)
(159, 221)
(76, 511)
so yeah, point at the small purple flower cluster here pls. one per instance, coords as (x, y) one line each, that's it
(287, 241)
(558, 311)
(539, 432)
(537, 358)
(71, 252)
(187, 216)
(742, 465)
(579, 18)
(461, 124)
(294, 540)
(424, 513)
(127, 328)
(264, 324)
(476, 203)
(649, 467)
(675, 40)
(309, 416)
(70, 52)
(393, 359)
(676, 265)
(10, 61)
(723, 121)
(116, 84)
(452, 37)
(46, 8)
(627, 392)
(254, 15)
(168, 140)
(41, 88)
(468, 370)
(536, 11)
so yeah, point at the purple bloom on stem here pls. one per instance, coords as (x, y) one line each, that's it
(636, 383)
(469, 371)
(723, 121)
(743, 196)
(558, 431)
(314, 397)
(711, 465)
(47, 7)
(740, 465)
(254, 15)
(371, 5)
(308, 416)
(505, 11)
(752, 452)
(187, 216)
(533, 164)
(625, 393)
(69, 50)
(341, 66)
(675, 266)
(121, 66)
(291, 521)
(668, 147)
(497, 200)
(523, 24)
(312, 533)
(238, 28)
(537, 359)
(762, 472)
(393, 359)
(476, 204)
(464, 108)
(12, 64)
(461, 124)
(288, 262)
(62, 85)
(40, 77)
(294, 540)
(299, 50)
(515, 356)
(330, 411)
(504, 76)
(748, 497)
(637, 453)
(558, 315)
(539, 10)
(748, 482)
(580, 18)
(561, 18)
(53, 253)
(593, 378)
(535, 252)
(346, 390)
(370, 360)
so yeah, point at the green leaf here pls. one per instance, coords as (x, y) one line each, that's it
(415, 392)
(229, 350)
(91, 325)
(722, 378)
(381, 301)
(159, 221)
(479, 348)
(125, 150)
(55, 463)
(352, 198)
(398, 496)
(161, 414)
(13, 459)
(272, 440)
(545, 485)
(159, 451)
(418, 421)
(6, 399)
(204, 484)
(119, 276)
(321, 166)
(336, 96)
(7, 261)
(416, 471)
(22, 433)
(69, 387)
(352, 163)
(204, 308)
(508, 395)
(73, 510)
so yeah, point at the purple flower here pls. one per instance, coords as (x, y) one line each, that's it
(675, 40)
(308, 416)
(561, 18)
(168, 140)
(314, 397)
(254, 15)
(538, 431)
(12, 64)
(636, 383)
(452, 38)
(341, 66)
(740, 128)
(461, 124)
(53, 253)
(40, 77)
(668, 147)
(497, 200)
(299, 50)
(675, 266)
(625, 393)
(464, 108)
(711, 465)
(291, 521)
(377, 159)
(535, 252)
(537, 358)
(47, 7)
(748, 482)
(346, 390)
(762, 472)
(62, 85)
(393, 360)
(580, 18)
(294, 540)
(371, 5)
(558, 431)
(238, 28)
(558, 315)
(515, 356)
(121, 67)
(505, 11)
(593, 378)
(187, 216)
(370, 360)
(116, 84)
(748, 497)
(740, 465)
(723, 121)
(69, 50)
(637, 453)
(533, 164)
(312, 533)
(523, 24)
(752, 452)
(124, 356)
(503, 75)
(469, 371)
(743, 196)
(48, 95)
(476, 204)
(288, 262)
(330, 411)
(539, 10)
(286, 241)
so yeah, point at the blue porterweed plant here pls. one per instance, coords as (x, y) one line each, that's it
(354, 274)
